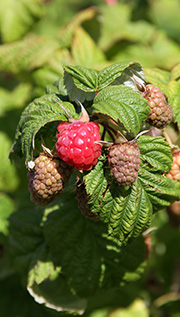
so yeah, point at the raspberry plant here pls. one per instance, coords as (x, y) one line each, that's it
(83, 255)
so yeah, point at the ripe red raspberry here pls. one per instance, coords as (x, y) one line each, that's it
(76, 144)
(124, 161)
(82, 200)
(47, 179)
(161, 113)
(174, 173)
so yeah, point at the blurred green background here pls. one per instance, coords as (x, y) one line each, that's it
(39, 37)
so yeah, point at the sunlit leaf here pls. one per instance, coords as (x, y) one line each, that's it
(84, 50)
(37, 114)
(123, 105)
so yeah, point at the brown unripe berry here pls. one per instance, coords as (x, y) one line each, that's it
(161, 113)
(82, 200)
(47, 178)
(124, 161)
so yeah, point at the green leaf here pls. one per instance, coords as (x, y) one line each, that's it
(17, 19)
(89, 257)
(27, 54)
(6, 208)
(41, 267)
(112, 72)
(75, 93)
(104, 303)
(156, 152)
(167, 239)
(84, 78)
(72, 238)
(137, 309)
(127, 214)
(56, 294)
(96, 184)
(15, 98)
(161, 190)
(124, 264)
(158, 77)
(175, 72)
(90, 80)
(6, 267)
(8, 171)
(120, 15)
(123, 105)
(65, 35)
(84, 50)
(164, 15)
(174, 99)
(127, 76)
(23, 304)
(117, 25)
(31, 257)
(25, 237)
(151, 55)
(37, 114)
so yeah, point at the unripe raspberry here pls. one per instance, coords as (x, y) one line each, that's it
(76, 144)
(174, 173)
(161, 113)
(124, 161)
(82, 200)
(47, 179)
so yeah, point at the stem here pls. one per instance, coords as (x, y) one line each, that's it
(103, 134)
(84, 115)
(139, 82)
(109, 128)
(111, 135)
(168, 139)
(141, 133)
(174, 148)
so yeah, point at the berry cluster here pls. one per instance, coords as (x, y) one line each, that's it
(124, 161)
(79, 146)
(161, 113)
(76, 144)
